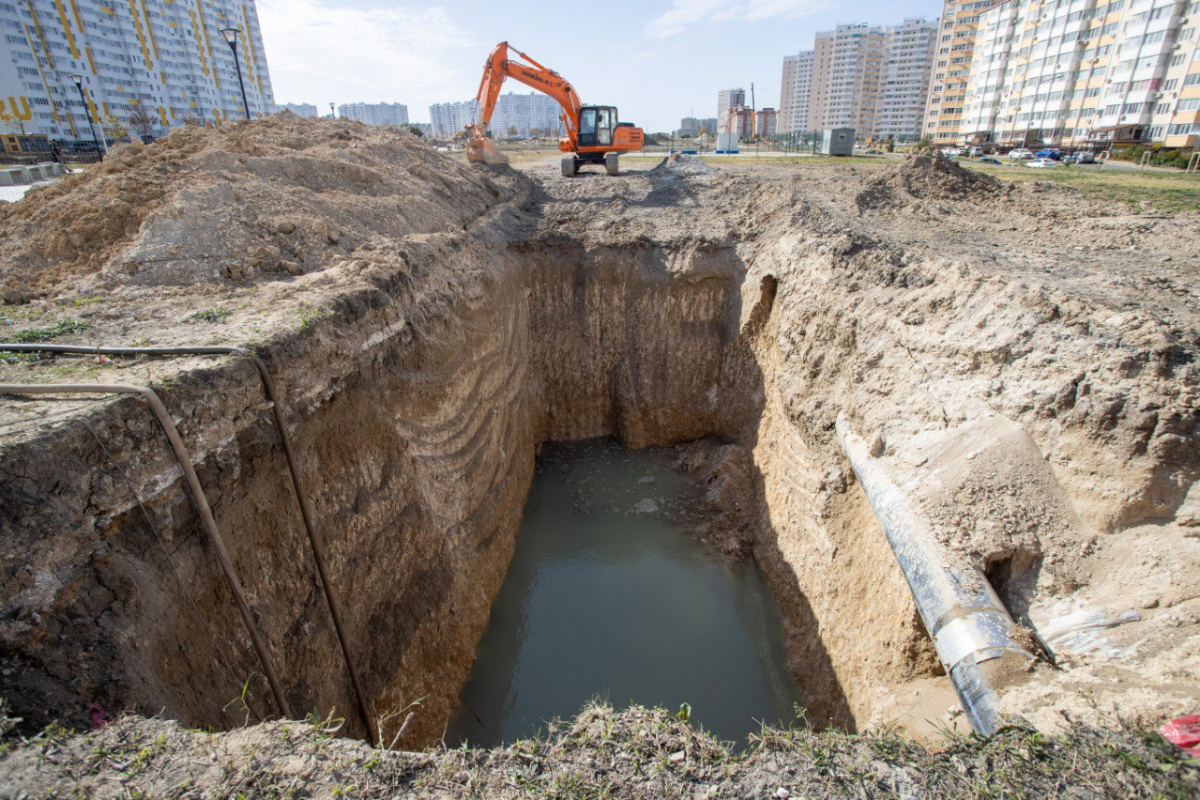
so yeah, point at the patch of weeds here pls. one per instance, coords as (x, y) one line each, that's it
(309, 317)
(64, 327)
(210, 315)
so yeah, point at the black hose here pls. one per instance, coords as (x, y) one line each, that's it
(306, 514)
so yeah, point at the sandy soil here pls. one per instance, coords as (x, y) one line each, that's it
(1024, 359)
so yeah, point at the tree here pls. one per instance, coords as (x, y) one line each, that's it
(512, 131)
(192, 121)
(114, 129)
(535, 133)
(704, 131)
(416, 131)
(142, 121)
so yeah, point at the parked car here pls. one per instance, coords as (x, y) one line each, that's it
(1020, 154)
(976, 151)
(989, 160)
(1085, 158)
(1049, 152)
(1042, 162)
(873, 152)
(952, 152)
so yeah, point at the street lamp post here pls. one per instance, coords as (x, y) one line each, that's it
(231, 35)
(78, 79)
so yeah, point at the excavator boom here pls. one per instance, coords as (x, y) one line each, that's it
(599, 139)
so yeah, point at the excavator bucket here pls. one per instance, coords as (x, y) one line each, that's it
(481, 149)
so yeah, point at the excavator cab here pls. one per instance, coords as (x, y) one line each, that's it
(596, 126)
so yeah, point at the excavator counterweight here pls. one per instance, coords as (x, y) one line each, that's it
(593, 134)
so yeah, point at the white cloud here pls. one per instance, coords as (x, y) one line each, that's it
(684, 14)
(318, 52)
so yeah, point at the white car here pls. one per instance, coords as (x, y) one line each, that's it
(951, 151)
(1042, 162)
(1020, 154)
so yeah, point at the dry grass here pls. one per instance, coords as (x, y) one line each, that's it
(600, 753)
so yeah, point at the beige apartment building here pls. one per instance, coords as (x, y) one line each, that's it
(796, 85)
(873, 78)
(1085, 74)
(951, 68)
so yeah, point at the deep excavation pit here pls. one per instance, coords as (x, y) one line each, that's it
(422, 444)
(610, 595)
(433, 326)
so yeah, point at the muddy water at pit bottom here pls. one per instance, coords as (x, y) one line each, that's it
(610, 596)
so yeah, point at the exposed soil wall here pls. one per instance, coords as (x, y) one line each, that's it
(424, 365)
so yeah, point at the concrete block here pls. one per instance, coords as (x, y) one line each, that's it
(7, 178)
(37, 173)
(56, 169)
(23, 175)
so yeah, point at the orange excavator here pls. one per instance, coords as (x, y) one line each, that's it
(594, 136)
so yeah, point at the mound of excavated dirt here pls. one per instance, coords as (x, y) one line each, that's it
(245, 203)
(925, 175)
(679, 164)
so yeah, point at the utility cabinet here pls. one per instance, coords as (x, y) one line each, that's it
(838, 142)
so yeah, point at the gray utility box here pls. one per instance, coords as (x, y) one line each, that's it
(838, 142)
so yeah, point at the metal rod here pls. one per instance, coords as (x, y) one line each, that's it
(277, 408)
(197, 491)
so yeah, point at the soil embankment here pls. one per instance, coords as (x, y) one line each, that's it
(430, 325)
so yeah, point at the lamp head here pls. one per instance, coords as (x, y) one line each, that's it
(231, 34)
(78, 79)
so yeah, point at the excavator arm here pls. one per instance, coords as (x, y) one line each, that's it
(498, 67)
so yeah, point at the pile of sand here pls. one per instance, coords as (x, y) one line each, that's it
(925, 175)
(679, 164)
(247, 202)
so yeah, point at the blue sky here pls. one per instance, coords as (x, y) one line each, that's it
(657, 60)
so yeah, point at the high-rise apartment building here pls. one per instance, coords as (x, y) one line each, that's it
(517, 115)
(168, 56)
(449, 119)
(846, 64)
(299, 109)
(908, 50)
(525, 113)
(691, 126)
(793, 96)
(872, 78)
(1085, 74)
(738, 120)
(726, 99)
(953, 54)
(375, 113)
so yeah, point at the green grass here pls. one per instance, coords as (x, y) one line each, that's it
(48, 333)
(210, 315)
(1169, 192)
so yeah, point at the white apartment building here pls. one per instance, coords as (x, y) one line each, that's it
(873, 78)
(168, 56)
(691, 126)
(518, 115)
(796, 86)
(299, 109)
(908, 50)
(727, 99)
(447, 120)
(375, 113)
(1085, 74)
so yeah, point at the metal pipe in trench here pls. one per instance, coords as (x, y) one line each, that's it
(970, 628)
(193, 482)
(318, 548)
